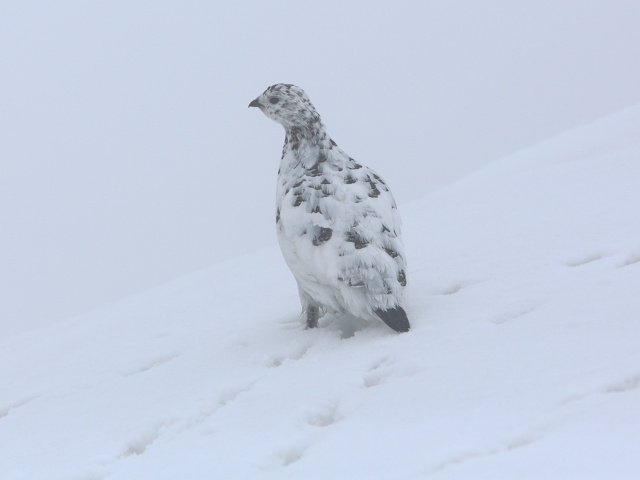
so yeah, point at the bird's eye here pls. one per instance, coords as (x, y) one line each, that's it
(274, 100)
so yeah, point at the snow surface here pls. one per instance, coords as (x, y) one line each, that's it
(523, 361)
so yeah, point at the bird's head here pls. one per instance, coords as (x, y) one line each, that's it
(288, 105)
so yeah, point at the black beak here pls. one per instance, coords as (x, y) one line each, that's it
(254, 103)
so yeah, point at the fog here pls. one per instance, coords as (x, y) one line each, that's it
(129, 156)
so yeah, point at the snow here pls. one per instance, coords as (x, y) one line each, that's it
(523, 361)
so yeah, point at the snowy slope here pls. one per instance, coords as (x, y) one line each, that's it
(523, 361)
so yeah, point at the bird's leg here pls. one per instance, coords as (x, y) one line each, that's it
(313, 313)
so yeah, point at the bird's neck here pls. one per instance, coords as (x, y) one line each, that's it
(313, 134)
(303, 145)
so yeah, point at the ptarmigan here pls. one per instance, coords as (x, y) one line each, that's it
(337, 222)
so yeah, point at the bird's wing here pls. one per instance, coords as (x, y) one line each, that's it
(372, 255)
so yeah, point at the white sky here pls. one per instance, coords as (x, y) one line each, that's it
(129, 156)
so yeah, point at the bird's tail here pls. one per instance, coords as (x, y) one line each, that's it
(396, 318)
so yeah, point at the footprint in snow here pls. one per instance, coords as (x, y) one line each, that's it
(621, 386)
(513, 313)
(324, 416)
(151, 364)
(5, 410)
(377, 374)
(284, 456)
(631, 260)
(625, 385)
(146, 439)
(579, 261)
(279, 360)
(585, 259)
(451, 289)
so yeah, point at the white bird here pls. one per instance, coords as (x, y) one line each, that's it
(337, 222)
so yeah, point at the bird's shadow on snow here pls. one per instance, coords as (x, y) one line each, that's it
(340, 325)
(347, 326)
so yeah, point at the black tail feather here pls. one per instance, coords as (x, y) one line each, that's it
(396, 318)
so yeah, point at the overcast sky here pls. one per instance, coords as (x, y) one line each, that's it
(129, 156)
